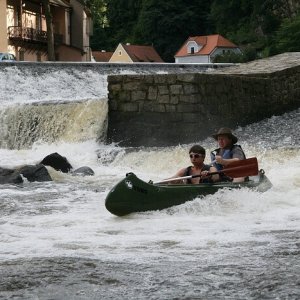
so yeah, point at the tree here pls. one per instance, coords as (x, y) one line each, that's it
(251, 24)
(288, 36)
(99, 39)
(50, 33)
(122, 16)
(114, 21)
(167, 24)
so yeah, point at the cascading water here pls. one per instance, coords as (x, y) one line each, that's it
(59, 242)
(22, 125)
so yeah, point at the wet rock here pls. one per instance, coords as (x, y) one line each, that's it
(83, 171)
(35, 173)
(9, 176)
(58, 162)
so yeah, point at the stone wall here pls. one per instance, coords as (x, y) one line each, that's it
(169, 109)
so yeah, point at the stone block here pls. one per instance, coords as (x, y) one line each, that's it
(129, 107)
(190, 89)
(187, 108)
(160, 78)
(174, 99)
(186, 77)
(170, 108)
(163, 99)
(159, 108)
(133, 78)
(114, 87)
(146, 106)
(131, 86)
(176, 89)
(189, 98)
(138, 95)
(163, 89)
(152, 93)
(172, 78)
(124, 96)
(149, 79)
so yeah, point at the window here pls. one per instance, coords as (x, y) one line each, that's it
(192, 47)
(120, 53)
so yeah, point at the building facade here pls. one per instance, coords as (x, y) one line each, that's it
(23, 30)
(203, 49)
(126, 53)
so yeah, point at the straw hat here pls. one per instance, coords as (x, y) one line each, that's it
(225, 131)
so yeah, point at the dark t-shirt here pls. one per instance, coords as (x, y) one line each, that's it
(204, 168)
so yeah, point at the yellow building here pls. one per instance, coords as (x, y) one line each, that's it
(135, 53)
(23, 30)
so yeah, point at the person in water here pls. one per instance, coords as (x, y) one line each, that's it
(197, 156)
(227, 153)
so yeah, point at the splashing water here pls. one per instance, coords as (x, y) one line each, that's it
(58, 241)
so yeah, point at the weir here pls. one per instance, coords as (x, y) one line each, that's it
(147, 104)
(54, 102)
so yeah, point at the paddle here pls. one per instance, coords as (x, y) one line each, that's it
(239, 168)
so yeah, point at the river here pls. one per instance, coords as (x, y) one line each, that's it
(59, 242)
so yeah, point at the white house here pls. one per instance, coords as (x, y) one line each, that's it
(203, 49)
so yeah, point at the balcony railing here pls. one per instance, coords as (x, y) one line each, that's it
(32, 35)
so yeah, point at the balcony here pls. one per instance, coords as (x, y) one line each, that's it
(30, 36)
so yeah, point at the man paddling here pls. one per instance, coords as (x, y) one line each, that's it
(201, 170)
(227, 153)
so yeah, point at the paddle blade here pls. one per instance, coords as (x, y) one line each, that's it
(242, 168)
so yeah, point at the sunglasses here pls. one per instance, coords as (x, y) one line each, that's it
(195, 155)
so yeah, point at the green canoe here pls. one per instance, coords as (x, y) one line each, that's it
(135, 195)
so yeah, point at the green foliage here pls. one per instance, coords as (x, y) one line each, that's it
(288, 36)
(229, 58)
(167, 24)
(260, 28)
(98, 10)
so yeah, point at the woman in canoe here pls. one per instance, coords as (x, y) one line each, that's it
(197, 156)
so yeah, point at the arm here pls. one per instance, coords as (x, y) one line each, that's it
(180, 173)
(214, 178)
(225, 162)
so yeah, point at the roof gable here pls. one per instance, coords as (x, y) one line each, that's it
(120, 55)
(207, 44)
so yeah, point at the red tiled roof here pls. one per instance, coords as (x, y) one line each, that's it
(209, 42)
(102, 56)
(142, 53)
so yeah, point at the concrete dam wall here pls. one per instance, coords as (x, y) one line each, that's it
(170, 109)
(64, 102)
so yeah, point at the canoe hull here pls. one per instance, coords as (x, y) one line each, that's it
(134, 195)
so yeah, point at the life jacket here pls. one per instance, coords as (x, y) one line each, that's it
(227, 154)
(204, 168)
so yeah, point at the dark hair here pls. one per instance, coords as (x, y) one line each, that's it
(197, 149)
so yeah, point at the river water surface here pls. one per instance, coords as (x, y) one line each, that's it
(57, 240)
